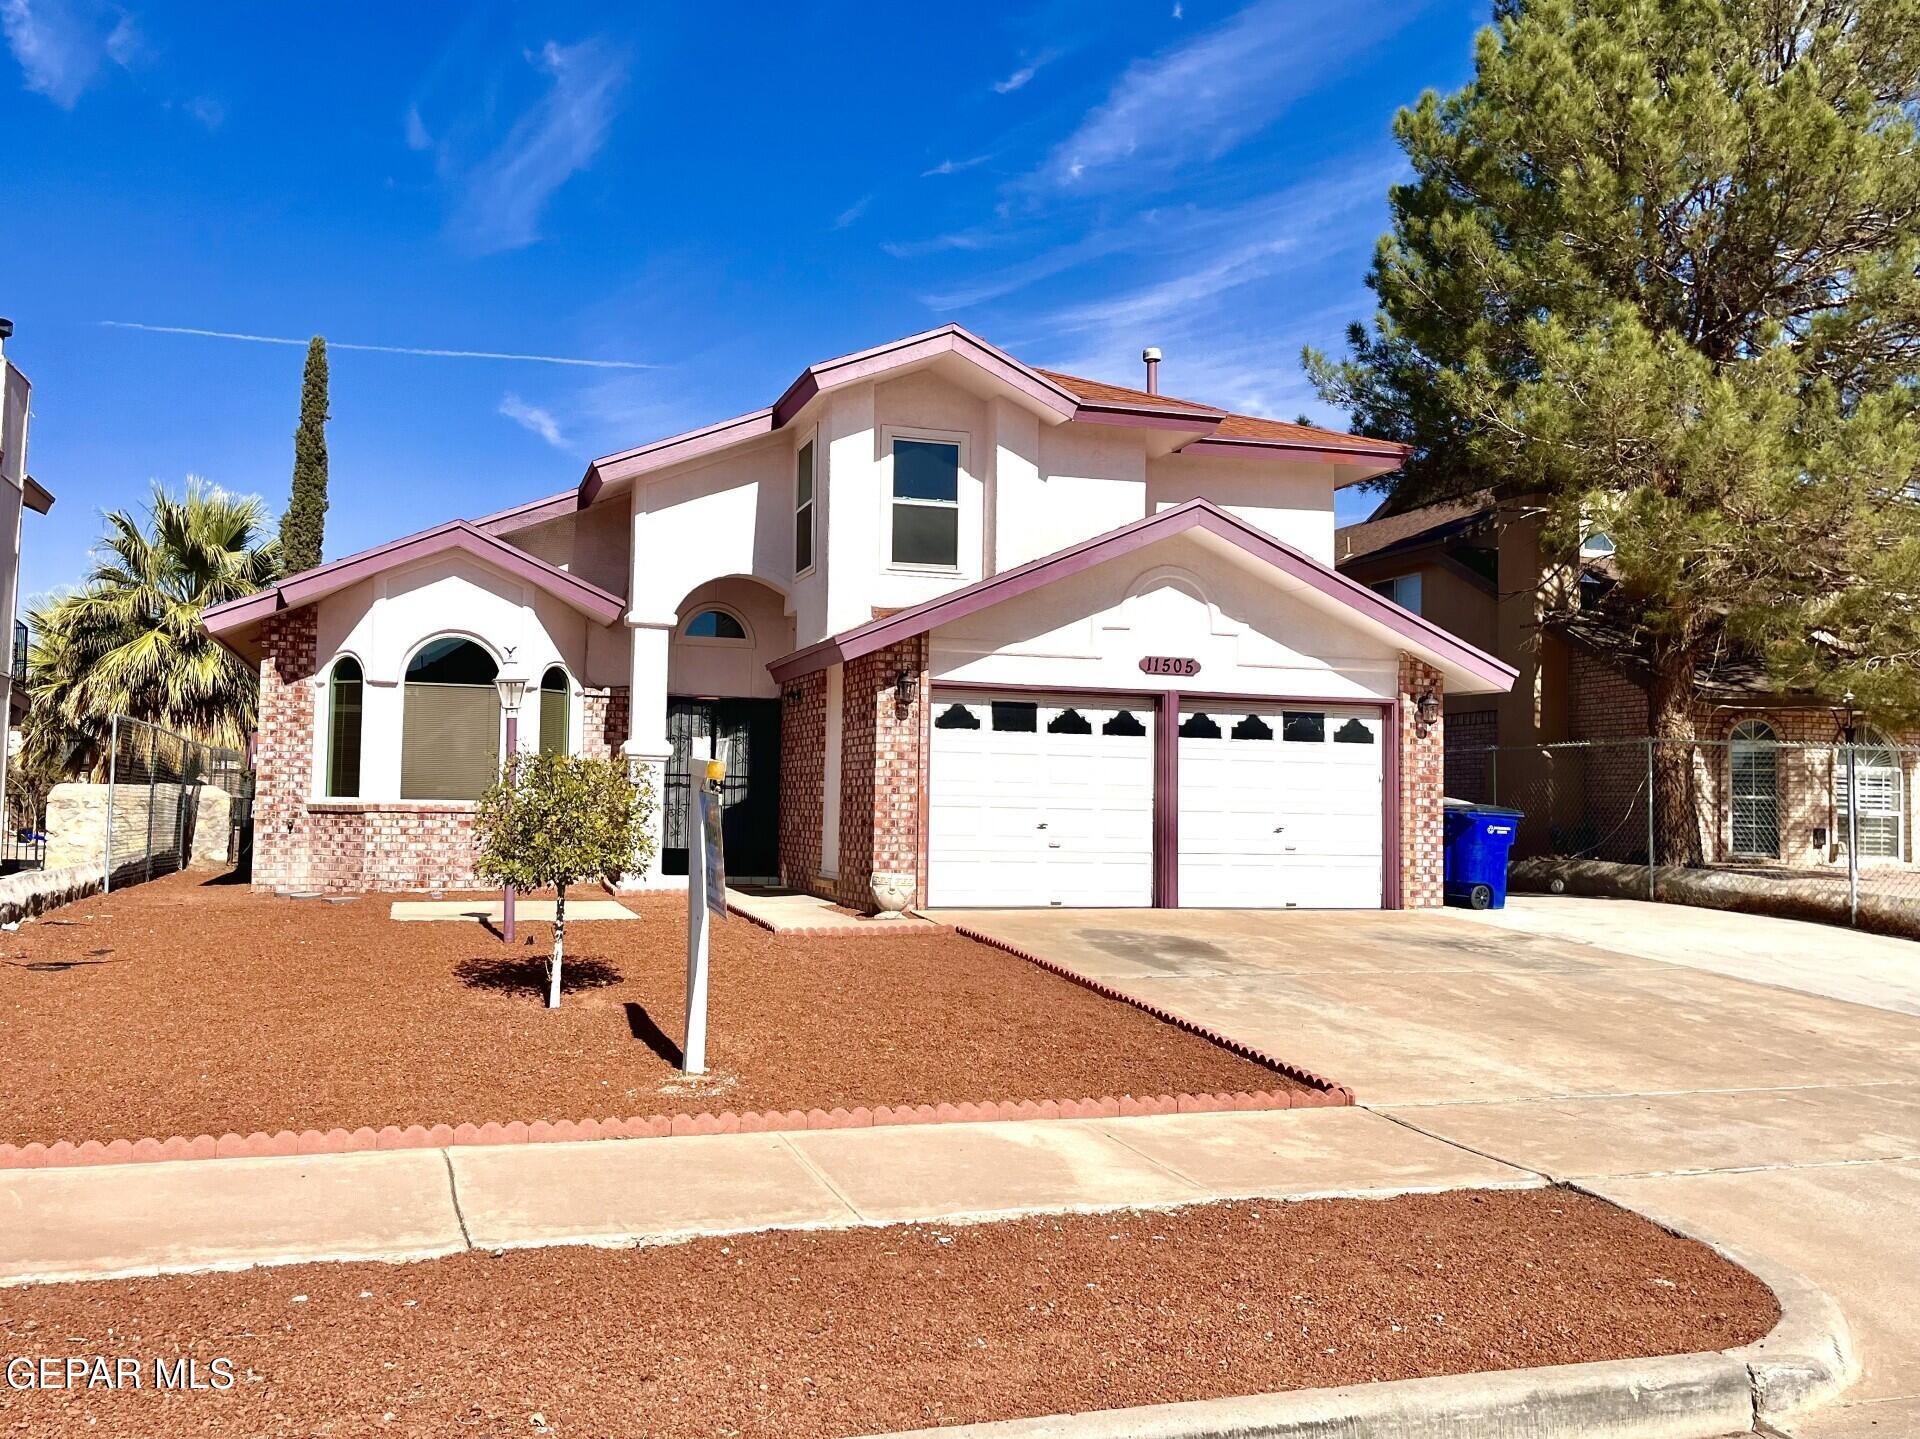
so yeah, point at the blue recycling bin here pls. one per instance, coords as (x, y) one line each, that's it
(1478, 837)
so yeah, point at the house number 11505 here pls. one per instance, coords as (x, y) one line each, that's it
(1169, 665)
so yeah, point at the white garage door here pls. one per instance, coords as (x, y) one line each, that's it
(1040, 802)
(1280, 807)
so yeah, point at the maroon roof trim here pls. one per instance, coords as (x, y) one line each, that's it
(930, 344)
(533, 512)
(1335, 454)
(39, 498)
(1188, 420)
(462, 535)
(1194, 514)
(689, 445)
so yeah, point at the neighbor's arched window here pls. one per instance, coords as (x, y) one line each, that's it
(450, 727)
(554, 694)
(715, 625)
(344, 691)
(1754, 804)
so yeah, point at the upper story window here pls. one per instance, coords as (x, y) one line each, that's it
(925, 503)
(715, 625)
(1403, 590)
(803, 509)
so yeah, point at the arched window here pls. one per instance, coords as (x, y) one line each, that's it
(554, 694)
(344, 691)
(450, 727)
(715, 625)
(1754, 801)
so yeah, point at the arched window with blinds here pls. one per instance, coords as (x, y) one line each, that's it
(345, 691)
(555, 694)
(450, 729)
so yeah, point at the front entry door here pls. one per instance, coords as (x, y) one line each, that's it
(750, 794)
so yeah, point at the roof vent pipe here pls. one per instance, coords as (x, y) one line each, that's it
(1152, 356)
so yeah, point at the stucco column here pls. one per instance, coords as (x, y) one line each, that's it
(646, 748)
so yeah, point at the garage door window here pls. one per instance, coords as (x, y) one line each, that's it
(1252, 727)
(956, 717)
(1303, 727)
(1353, 732)
(1011, 717)
(1069, 722)
(1199, 726)
(1124, 723)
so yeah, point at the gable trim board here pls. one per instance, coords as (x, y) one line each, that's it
(1480, 672)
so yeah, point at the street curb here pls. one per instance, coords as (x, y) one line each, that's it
(1804, 1361)
(1807, 1359)
(1684, 1396)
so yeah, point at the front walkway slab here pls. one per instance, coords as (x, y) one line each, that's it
(176, 1216)
(787, 911)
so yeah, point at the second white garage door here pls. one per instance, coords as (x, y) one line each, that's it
(1040, 802)
(1280, 807)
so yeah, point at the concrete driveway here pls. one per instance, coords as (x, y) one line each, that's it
(1606, 1046)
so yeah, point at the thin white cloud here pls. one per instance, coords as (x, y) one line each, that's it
(852, 213)
(503, 196)
(534, 419)
(1019, 78)
(418, 137)
(60, 44)
(208, 111)
(953, 167)
(1179, 10)
(430, 352)
(1198, 100)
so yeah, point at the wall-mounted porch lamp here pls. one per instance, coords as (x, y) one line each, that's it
(903, 689)
(1426, 711)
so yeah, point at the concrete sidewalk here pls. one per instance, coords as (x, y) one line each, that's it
(114, 1221)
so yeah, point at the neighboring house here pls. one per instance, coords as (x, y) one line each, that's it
(19, 492)
(1026, 638)
(1477, 568)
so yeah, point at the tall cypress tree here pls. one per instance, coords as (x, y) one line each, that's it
(303, 527)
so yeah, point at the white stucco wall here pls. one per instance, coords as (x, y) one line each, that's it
(1291, 500)
(1251, 633)
(731, 668)
(383, 621)
(591, 543)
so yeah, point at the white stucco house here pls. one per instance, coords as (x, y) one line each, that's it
(19, 492)
(1026, 638)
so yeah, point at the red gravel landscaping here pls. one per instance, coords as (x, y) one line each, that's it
(187, 1007)
(805, 1335)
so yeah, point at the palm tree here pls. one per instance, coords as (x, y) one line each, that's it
(129, 641)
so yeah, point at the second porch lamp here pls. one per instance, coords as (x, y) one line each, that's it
(513, 690)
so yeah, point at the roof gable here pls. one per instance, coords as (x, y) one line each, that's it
(1421, 636)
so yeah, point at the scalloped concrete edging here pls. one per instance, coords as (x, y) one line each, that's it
(65, 1153)
(1804, 1360)
(1337, 1093)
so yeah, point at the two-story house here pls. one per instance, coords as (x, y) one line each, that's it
(1025, 638)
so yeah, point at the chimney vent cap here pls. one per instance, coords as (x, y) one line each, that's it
(1151, 353)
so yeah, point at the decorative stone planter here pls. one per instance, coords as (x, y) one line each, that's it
(892, 892)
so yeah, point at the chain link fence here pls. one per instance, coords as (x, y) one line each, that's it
(1817, 830)
(171, 799)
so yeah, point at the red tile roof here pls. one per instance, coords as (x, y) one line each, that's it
(1232, 426)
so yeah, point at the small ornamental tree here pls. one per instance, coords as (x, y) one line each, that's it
(556, 819)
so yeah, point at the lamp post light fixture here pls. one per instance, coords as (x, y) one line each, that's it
(512, 686)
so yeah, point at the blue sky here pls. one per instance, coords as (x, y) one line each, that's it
(700, 200)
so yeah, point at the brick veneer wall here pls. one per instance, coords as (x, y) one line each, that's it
(350, 845)
(283, 748)
(803, 762)
(1422, 777)
(603, 721)
(883, 771)
(1469, 735)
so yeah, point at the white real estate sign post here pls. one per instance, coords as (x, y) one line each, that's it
(706, 897)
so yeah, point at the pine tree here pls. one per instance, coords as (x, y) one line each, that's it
(1657, 266)
(304, 525)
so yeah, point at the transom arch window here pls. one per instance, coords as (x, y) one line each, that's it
(450, 723)
(711, 622)
(1753, 758)
(556, 698)
(346, 690)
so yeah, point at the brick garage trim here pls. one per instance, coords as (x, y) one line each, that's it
(1421, 778)
(883, 771)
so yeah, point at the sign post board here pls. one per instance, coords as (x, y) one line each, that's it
(706, 897)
